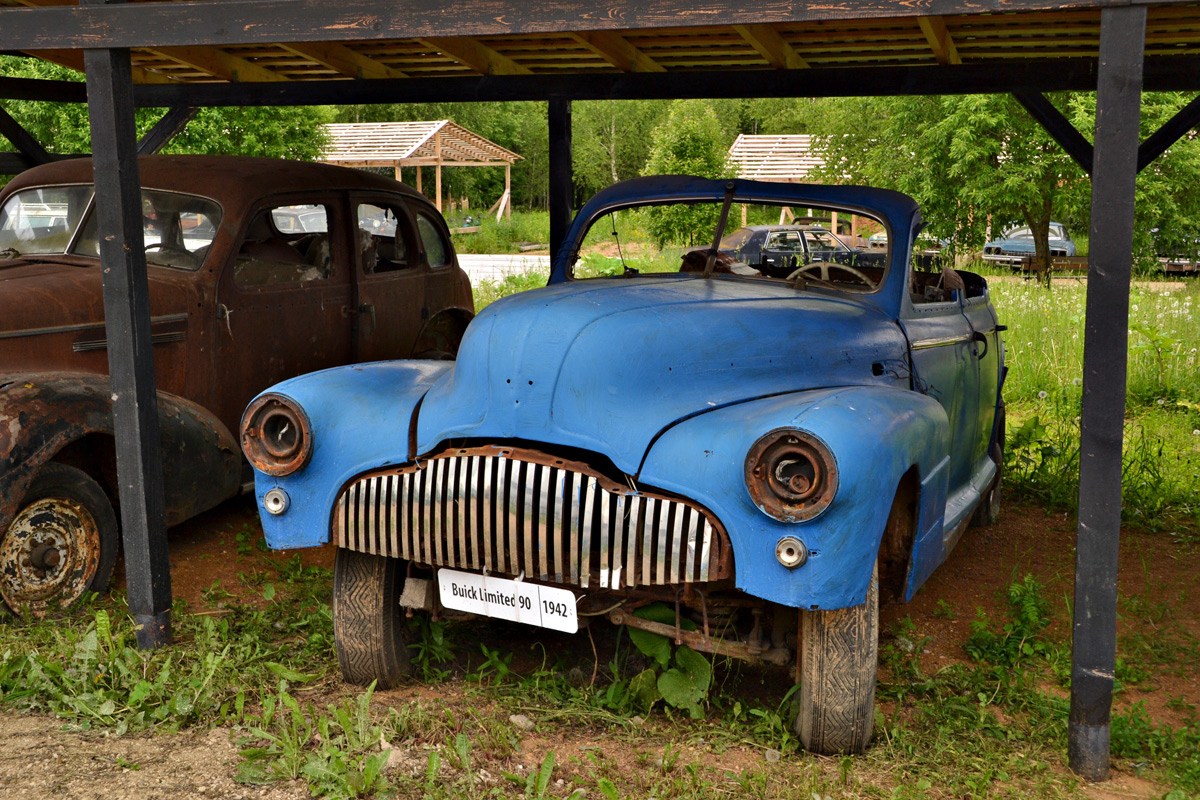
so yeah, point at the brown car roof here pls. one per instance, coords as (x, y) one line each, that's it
(232, 180)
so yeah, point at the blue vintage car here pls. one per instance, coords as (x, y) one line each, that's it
(767, 455)
(1016, 244)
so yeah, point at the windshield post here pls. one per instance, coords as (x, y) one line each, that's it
(711, 261)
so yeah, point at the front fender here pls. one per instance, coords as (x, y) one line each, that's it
(42, 414)
(876, 434)
(336, 402)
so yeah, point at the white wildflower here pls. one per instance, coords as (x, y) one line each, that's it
(1042, 395)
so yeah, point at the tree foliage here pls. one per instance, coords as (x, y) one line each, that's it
(690, 141)
(978, 163)
(275, 132)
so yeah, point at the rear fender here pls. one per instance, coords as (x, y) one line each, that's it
(43, 414)
(876, 434)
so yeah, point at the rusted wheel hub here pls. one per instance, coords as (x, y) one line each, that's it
(49, 553)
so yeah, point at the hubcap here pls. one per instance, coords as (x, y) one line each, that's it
(49, 554)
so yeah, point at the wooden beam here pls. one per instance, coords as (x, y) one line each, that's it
(771, 46)
(1174, 74)
(73, 59)
(939, 39)
(1059, 127)
(50, 91)
(167, 128)
(1102, 413)
(617, 50)
(220, 64)
(23, 140)
(13, 163)
(236, 22)
(342, 59)
(130, 357)
(476, 56)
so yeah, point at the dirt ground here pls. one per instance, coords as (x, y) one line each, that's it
(39, 758)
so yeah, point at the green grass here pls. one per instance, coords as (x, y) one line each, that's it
(1044, 351)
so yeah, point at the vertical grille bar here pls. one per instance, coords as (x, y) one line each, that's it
(662, 531)
(561, 531)
(620, 536)
(704, 550)
(404, 512)
(690, 554)
(462, 503)
(652, 505)
(675, 567)
(513, 474)
(574, 529)
(605, 526)
(587, 507)
(541, 521)
(631, 542)
(488, 517)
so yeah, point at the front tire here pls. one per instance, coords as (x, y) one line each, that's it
(368, 627)
(839, 652)
(988, 510)
(62, 542)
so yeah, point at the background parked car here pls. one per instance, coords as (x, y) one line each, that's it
(1016, 245)
(258, 271)
(779, 250)
(765, 457)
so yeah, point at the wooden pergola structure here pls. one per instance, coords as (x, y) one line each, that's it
(183, 55)
(783, 157)
(439, 143)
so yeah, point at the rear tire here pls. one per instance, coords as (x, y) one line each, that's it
(368, 626)
(838, 658)
(62, 542)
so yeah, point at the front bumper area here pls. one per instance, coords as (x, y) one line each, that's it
(515, 511)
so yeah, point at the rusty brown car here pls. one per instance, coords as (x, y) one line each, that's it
(259, 270)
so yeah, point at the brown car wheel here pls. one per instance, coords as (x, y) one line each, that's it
(368, 626)
(839, 651)
(62, 542)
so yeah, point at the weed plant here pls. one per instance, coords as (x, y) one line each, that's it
(1043, 390)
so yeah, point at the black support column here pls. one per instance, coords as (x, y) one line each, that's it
(561, 176)
(1118, 111)
(127, 327)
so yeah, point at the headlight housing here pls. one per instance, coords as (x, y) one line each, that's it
(276, 435)
(791, 475)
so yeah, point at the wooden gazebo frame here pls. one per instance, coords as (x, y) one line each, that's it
(182, 55)
(437, 144)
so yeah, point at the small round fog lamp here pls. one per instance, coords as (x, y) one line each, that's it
(791, 552)
(277, 501)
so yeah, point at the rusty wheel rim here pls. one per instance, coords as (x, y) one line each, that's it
(50, 553)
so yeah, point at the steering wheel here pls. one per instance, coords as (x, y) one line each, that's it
(173, 253)
(822, 269)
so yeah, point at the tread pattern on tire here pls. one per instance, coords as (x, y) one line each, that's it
(838, 657)
(367, 619)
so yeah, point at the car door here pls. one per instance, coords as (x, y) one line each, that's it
(945, 365)
(390, 278)
(284, 298)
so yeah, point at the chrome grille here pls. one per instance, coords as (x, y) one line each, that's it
(555, 522)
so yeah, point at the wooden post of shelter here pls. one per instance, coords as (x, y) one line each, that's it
(1105, 357)
(127, 329)
(437, 171)
(559, 118)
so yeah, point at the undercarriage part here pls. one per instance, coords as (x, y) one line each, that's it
(754, 651)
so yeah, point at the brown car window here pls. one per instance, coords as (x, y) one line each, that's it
(283, 245)
(42, 220)
(177, 230)
(382, 240)
(436, 249)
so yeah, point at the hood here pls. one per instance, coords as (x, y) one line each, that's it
(39, 291)
(606, 365)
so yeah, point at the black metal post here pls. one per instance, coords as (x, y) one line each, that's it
(127, 327)
(1118, 112)
(561, 176)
